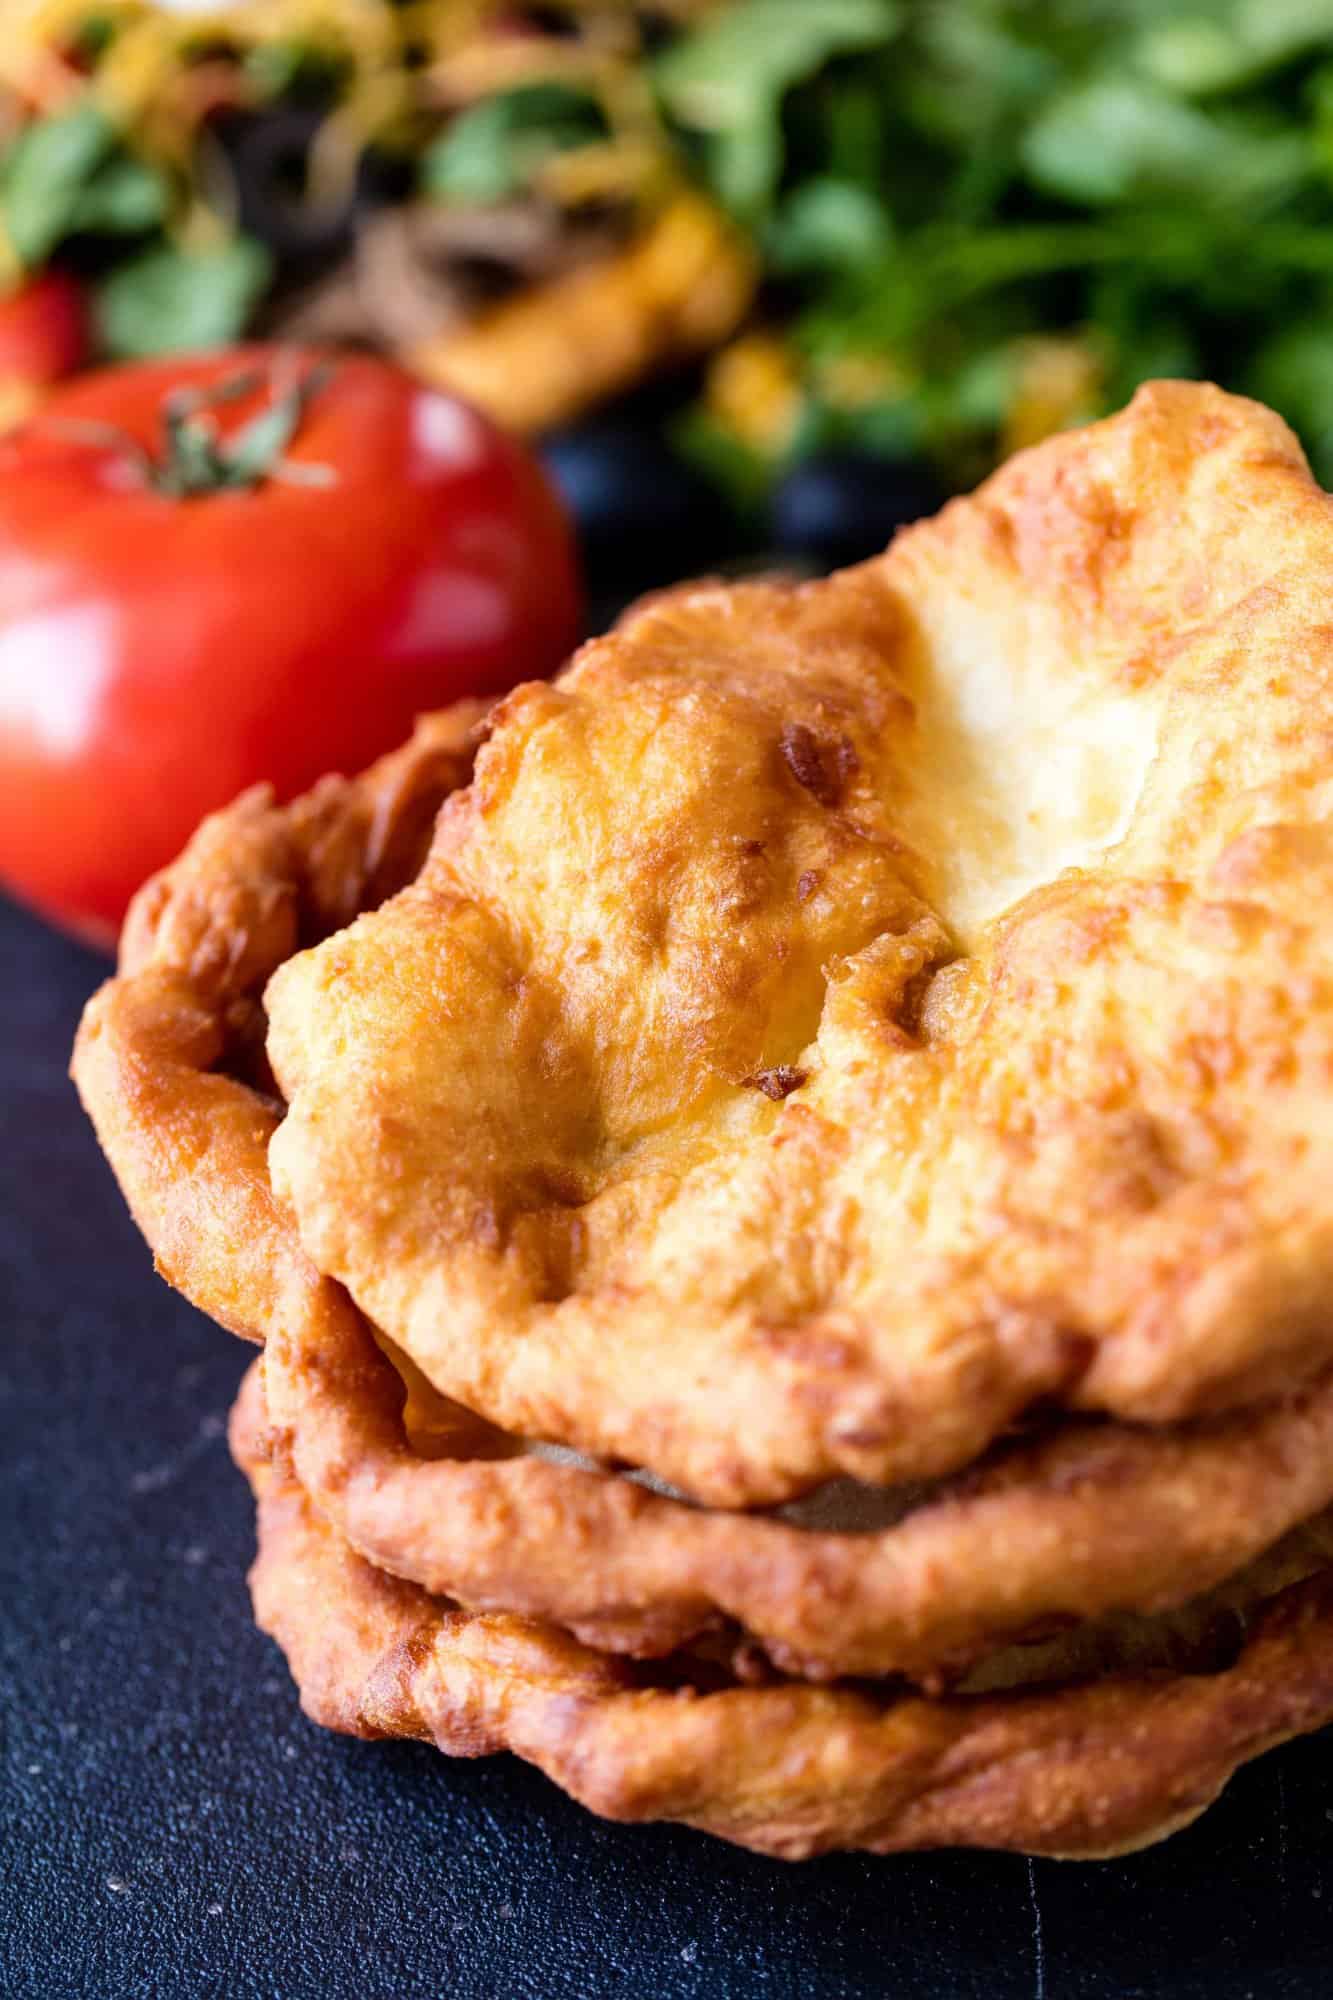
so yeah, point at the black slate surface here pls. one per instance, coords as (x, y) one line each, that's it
(171, 1826)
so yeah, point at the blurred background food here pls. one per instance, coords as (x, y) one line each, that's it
(755, 272)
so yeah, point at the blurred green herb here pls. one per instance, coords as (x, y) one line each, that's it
(729, 79)
(169, 300)
(1228, 46)
(1116, 140)
(126, 198)
(827, 225)
(94, 35)
(70, 174)
(493, 150)
(989, 199)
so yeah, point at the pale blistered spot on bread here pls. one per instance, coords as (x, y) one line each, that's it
(1021, 772)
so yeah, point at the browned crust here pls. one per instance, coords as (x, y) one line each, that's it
(1092, 1520)
(1077, 1771)
(1061, 1001)
(188, 1142)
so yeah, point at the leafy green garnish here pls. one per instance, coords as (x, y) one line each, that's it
(1117, 140)
(274, 67)
(94, 35)
(1231, 44)
(729, 78)
(46, 174)
(827, 225)
(68, 174)
(493, 150)
(994, 205)
(169, 301)
(125, 198)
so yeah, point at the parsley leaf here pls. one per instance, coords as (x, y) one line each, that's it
(492, 150)
(727, 81)
(168, 300)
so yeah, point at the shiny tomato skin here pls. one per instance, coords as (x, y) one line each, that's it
(44, 331)
(157, 656)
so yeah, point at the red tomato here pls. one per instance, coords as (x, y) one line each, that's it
(159, 654)
(43, 333)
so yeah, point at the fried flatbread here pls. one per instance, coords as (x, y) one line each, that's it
(836, 1018)
(1089, 1768)
(1090, 1519)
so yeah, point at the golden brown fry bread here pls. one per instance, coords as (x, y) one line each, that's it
(1080, 1770)
(1091, 1520)
(160, 1046)
(837, 1017)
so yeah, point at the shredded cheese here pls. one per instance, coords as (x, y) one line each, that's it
(428, 57)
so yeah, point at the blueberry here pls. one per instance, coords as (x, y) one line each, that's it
(839, 507)
(644, 516)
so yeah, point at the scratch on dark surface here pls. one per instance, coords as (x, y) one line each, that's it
(153, 1478)
(1281, 1834)
(1038, 1945)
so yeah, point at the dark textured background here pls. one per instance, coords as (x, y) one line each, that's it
(170, 1825)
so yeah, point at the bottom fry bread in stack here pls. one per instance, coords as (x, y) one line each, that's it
(1045, 1572)
(1086, 1768)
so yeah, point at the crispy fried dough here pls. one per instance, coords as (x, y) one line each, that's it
(161, 1045)
(837, 1017)
(1091, 1520)
(1098, 1767)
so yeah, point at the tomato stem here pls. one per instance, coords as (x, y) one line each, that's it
(196, 458)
